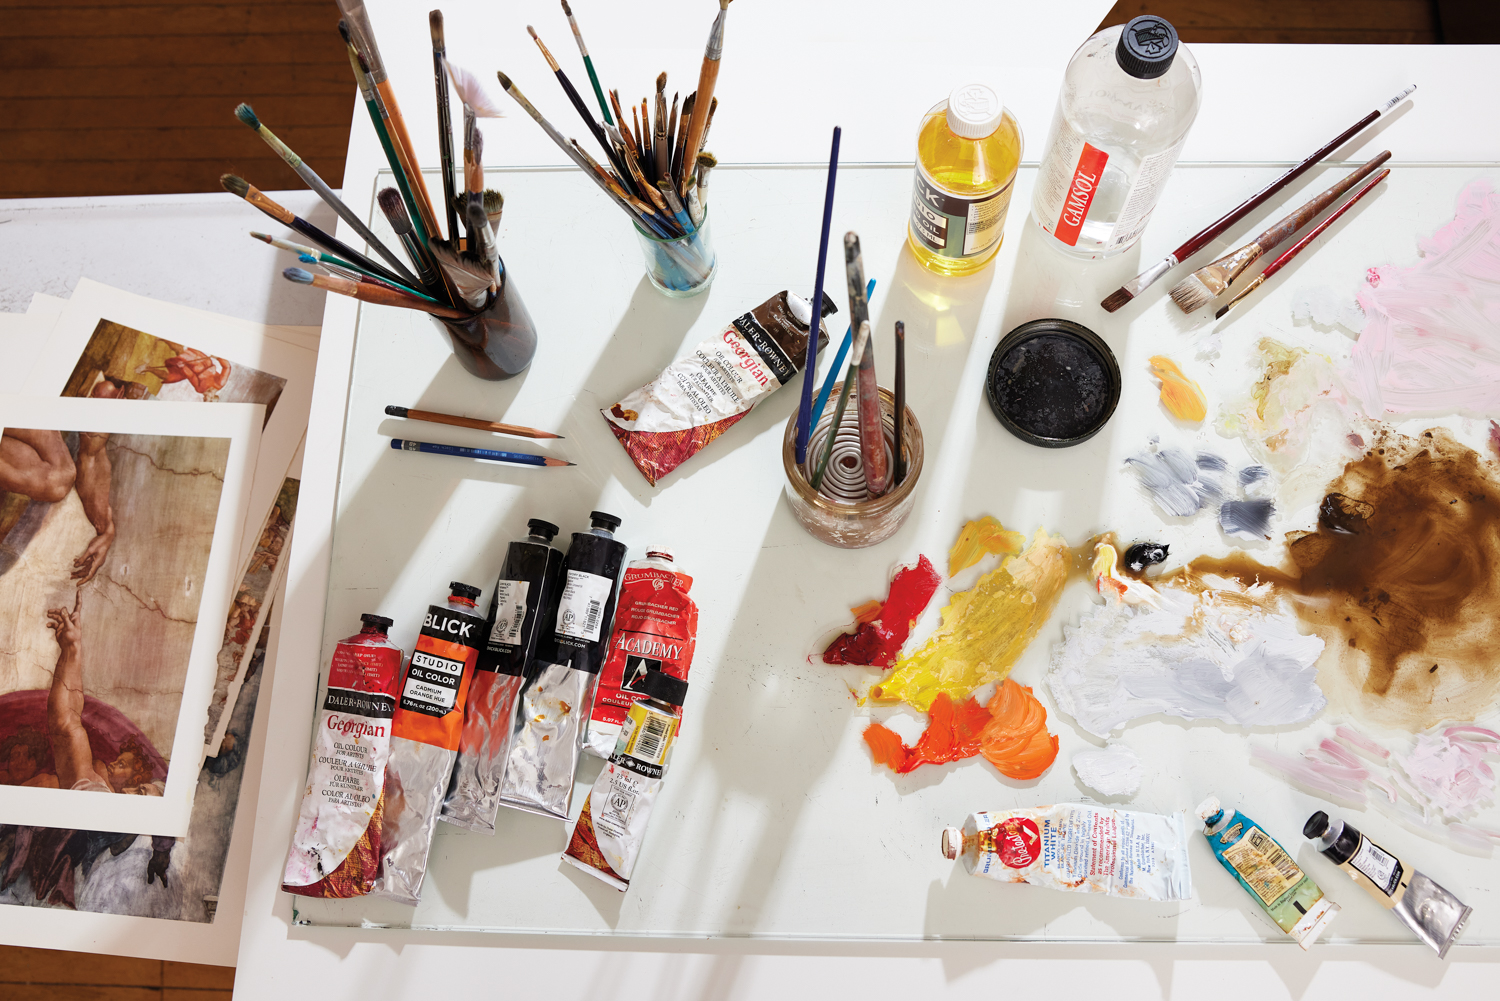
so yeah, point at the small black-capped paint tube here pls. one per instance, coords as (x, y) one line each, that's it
(1435, 915)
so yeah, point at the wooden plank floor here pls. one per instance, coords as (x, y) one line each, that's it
(51, 975)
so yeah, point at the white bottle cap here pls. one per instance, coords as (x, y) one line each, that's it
(953, 841)
(974, 111)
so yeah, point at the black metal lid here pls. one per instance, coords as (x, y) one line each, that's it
(1315, 826)
(1053, 383)
(604, 520)
(1147, 47)
(829, 307)
(543, 528)
(379, 622)
(462, 590)
(663, 686)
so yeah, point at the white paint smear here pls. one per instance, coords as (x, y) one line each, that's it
(1114, 770)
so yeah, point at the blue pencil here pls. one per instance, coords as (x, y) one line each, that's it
(523, 458)
(810, 370)
(838, 362)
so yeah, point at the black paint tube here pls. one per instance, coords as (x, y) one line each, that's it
(525, 593)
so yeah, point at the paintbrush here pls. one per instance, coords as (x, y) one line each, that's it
(473, 172)
(804, 411)
(575, 99)
(389, 200)
(472, 280)
(694, 205)
(316, 256)
(838, 361)
(854, 271)
(432, 417)
(709, 124)
(368, 292)
(679, 211)
(708, 76)
(871, 423)
(444, 116)
(900, 402)
(247, 115)
(484, 243)
(680, 149)
(657, 221)
(861, 345)
(1297, 247)
(237, 185)
(672, 137)
(494, 205)
(648, 160)
(659, 147)
(706, 163)
(334, 266)
(1201, 239)
(1202, 286)
(588, 63)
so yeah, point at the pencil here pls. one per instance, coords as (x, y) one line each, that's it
(708, 77)
(804, 412)
(433, 417)
(462, 452)
(588, 64)
(900, 401)
(366, 292)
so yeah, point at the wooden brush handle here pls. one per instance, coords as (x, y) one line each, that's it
(708, 78)
(1310, 211)
(1317, 230)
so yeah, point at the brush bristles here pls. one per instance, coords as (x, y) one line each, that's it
(661, 85)
(299, 275)
(504, 80)
(531, 31)
(494, 202)
(262, 237)
(568, 11)
(235, 185)
(246, 114)
(435, 26)
(1116, 299)
(395, 211)
(1191, 294)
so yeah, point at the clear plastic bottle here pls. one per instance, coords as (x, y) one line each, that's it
(1129, 97)
(968, 149)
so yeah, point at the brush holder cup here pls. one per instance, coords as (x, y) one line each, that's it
(847, 523)
(499, 341)
(682, 267)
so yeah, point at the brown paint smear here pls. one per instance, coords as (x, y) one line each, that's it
(1402, 580)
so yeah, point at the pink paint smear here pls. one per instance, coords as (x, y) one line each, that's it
(1432, 343)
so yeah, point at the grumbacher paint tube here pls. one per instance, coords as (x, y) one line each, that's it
(526, 590)
(559, 687)
(1436, 915)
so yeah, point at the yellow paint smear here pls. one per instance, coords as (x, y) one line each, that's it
(984, 629)
(1182, 397)
(984, 535)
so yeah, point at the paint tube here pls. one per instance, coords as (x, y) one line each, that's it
(1435, 915)
(611, 827)
(701, 395)
(656, 628)
(556, 695)
(424, 739)
(1287, 894)
(524, 593)
(336, 848)
(1077, 847)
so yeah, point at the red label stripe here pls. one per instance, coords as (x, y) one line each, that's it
(1080, 193)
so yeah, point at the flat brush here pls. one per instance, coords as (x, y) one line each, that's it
(708, 77)
(494, 205)
(1212, 280)
(588, 64)
(444, 116)
(1298, 247)
(377, 295)
(389, 200)
(1203, 237)
(471, 279)
(247, 115)
(575, 99)
(237, 185)
(495, 427)
(484, 249)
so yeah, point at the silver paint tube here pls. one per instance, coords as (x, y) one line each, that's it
(548, 739)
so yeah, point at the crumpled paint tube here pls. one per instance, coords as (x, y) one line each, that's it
(424, 739)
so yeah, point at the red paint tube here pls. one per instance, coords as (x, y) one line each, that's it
(656, 629)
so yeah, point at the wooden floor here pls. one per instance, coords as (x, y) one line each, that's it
(49, 975)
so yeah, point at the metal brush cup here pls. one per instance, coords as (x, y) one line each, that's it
(497, 342)
(682, 267)
(840, 520)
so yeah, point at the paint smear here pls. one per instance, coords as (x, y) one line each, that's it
(1182, 397)
(985, 629)
(984, 535)
(1114, 770)
(952, 734)
(1402, 578)
(881, 629)
(1179, 483)
(1144, 554)
(1248, 519)
(1015, 740)
(1432, 340)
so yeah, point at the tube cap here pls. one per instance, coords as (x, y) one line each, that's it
(797, 305)
(461, 590)
(1147, 47)
(545, 529)
(661, 553)
(953, 841)
(974, 111)
(604, 520)
(1208, 809)
(1316, 825)
(663, 686)
(378, 621)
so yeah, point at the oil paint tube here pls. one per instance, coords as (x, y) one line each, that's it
(426, 726)
(1435, 915)
(656, 628)
(1077, 847)
(336, 848)
(611, 827)
(524, 593)
(704, 393)
(558, 691)
(1287, 894)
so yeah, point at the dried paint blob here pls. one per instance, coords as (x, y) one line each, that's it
(1015, 740)
(1053, 383)
(1180, 484)
(983, 535)
(881, 629)
(1402, 578)
(1182, 397)
(1144, 554)
(1114, 770)
(1248, 519)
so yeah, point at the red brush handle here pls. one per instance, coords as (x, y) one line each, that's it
(1313, 234)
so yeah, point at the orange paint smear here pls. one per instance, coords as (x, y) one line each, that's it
(984, 535)
(952, 734)
(1015, 740)
(1182, 397)
(868, 612)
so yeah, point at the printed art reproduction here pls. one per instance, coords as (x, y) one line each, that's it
(119, 535)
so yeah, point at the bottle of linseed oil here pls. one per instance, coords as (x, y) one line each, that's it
(968, 149)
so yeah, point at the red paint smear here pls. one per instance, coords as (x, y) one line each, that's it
(1015, 740)
(879, 639)
(952, 734)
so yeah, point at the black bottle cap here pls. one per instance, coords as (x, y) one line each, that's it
(543, 528)
(378, 622)
(462, 590)
(1147, 47)
(1315, 826)
(604, 520)
(829, 306)
(663, 686)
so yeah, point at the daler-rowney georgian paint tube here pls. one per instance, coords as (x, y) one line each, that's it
(524, 593)
(656, 628)
(1077, 847)
(704, 393)
(1287, 894)
(336, 848)
(611, 827)
(553, 707)
(1435, 915)
(426, 726)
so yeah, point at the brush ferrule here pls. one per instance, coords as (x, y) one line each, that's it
(715, 47)
(1218, 276)
(255, 197)
(1150, 276)
(1387, 106)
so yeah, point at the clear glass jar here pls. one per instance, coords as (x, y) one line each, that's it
(682, 267)
(1128, 99)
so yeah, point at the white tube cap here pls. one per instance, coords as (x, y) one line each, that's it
(953, 842)
(974, 111)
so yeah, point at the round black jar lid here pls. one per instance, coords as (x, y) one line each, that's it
(1053, 383)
